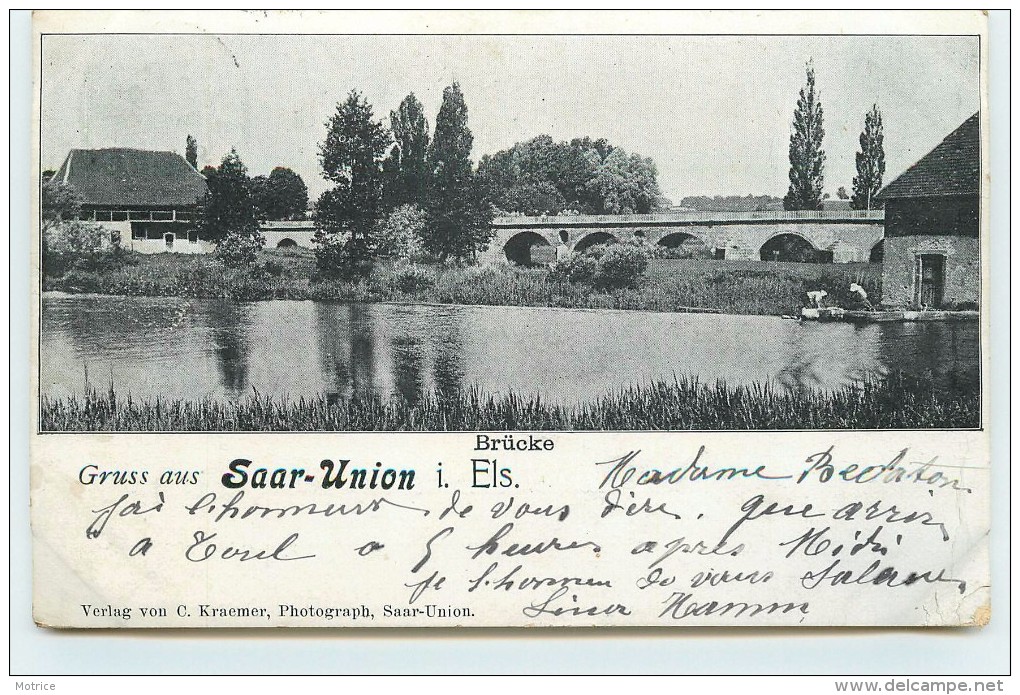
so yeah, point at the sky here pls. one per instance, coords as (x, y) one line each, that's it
(714, 112)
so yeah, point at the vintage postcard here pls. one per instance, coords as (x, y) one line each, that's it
(510, 319)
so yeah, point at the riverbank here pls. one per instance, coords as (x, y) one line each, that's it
(733, 287)
(897, 402)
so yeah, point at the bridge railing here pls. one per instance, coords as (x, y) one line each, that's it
(706, 216)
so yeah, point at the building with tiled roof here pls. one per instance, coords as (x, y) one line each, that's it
(932, 249)
(146, 200)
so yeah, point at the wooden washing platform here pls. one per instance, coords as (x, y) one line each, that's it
(864, 316)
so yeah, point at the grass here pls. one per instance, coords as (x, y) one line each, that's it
(896, 402)
(735, 287)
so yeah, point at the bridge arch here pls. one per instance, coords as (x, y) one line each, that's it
(685, 245)
(286, 243)
(518, 247)
(789, 247)
(594, 239)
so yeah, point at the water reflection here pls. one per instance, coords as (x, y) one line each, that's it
(219, 349)
(230, 325)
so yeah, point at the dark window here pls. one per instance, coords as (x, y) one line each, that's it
(192, 236)
(137, 231)
(162, 215)
(119, 215)
(103, 216)
(115, 238)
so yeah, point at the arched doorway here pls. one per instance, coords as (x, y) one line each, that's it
(683, 245)
(518, 247)
(877, 254)
(791, 248)
(594, 239)
(286, 243)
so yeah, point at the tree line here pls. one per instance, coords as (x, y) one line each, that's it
(405, 190)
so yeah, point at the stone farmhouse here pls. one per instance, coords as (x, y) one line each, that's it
(146, 200)
(932, 247)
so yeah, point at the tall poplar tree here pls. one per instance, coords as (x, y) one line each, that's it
(191, 151)
(870, 162)
(807, 158)
(406, 169)
(457, 205)
(351, 158)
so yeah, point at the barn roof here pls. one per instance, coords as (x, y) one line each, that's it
(952, 168)
(119, 176)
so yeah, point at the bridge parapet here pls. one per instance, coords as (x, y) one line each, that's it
(693, 217)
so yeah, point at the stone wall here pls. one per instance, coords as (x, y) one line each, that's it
(962, 268)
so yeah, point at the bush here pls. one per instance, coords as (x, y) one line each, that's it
(413, 278)
(342, 257)
(578, 267)
(621, 266)
(238, 251)
(77, 245)
(273, 268)
(400, 234)
(605, 267)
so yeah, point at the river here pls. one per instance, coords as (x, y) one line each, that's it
(219, 349)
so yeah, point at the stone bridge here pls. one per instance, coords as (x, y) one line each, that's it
(839, 236)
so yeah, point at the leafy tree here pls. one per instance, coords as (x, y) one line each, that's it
(401, 234)
(842, 194)
(282, 195)
(625, 185)
(191, 151)
(228, 215)
(406, 169)
(807, 158)
(590, 176)
(60, 202)
(870, 162)
(351, 158)
(458, 206)
(542, 198)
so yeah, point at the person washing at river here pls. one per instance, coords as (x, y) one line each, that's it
(817, 297)
(860, 296)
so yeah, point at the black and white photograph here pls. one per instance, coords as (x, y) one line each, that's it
(264, 232)
(511, 342)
